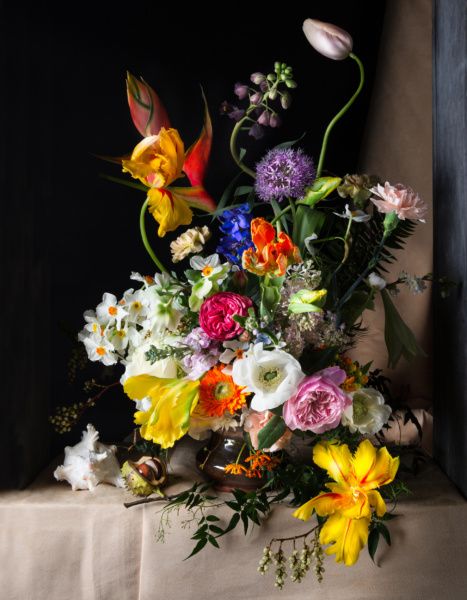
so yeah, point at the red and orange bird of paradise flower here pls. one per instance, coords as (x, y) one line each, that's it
(159, 159)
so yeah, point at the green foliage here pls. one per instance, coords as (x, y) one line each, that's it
(307, 222)
(154, 354)
(271, 432)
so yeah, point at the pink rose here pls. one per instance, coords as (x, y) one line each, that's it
(319, 402)
(403, 200)
(255, 421)
(217, 312)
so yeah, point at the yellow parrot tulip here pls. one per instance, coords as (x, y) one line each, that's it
(352, 497)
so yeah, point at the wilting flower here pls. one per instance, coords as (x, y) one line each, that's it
(254, 421)
(329, 40)
(272, 375)
(218, 393)
(359, 216)
(368, 413)
(269, 257)
(190, 242)
(283, 173)
(217, 312)
(235, 224)
(160, 158)
(172, 401)
(399, 199)
(318, 403)
(232, 111)
(351, 499)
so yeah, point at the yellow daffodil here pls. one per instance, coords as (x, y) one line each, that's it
(352, 497)
(160, 159)
(172, 402)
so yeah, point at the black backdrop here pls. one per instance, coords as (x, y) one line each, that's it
(67, 235)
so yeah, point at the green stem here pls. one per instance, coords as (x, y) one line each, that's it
(144, 237)
(233, 146)
(279, 215)
(341, 113)
(240, 453)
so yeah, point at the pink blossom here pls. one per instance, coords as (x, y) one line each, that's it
(319, 402)
(255, 421)
(217, 312)
(403, 200)
(329, 40)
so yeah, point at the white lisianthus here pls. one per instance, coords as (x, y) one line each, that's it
(368, 412)
(376, 282)
(271, 375)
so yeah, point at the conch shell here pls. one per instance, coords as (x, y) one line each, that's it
(89, 463)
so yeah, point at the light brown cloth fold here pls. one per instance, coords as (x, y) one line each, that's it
(56, 544)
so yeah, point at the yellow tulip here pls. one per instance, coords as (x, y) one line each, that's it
(352, 497)
(172, 402)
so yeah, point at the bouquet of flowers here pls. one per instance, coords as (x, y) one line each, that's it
(253, 338)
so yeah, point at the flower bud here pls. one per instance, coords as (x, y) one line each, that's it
(273, 94)
(256, 131)
(286, 100)
(263, 119)
(329, 40)
(241, 90)
(257, 78)
(275, 120)
(256, 98)
(290, 83)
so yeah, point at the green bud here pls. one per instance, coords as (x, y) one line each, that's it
(272, 94)
(271, 77)
(391, 221)
(290, 83)
(286, 100)
(277, 67)
(319, 189)
(307, 301)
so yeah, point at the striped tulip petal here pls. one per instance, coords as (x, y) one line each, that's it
(146, 109)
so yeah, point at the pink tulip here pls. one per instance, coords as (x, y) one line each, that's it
(329, 40)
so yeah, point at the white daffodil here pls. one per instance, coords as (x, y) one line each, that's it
(93, 325)
(118, 338)
(272, 375)
(206, 276)
(144, 279)
(99, 349)
(137, 305)
(109, 311)
(359, 216)
(376, 282)
(368, 413)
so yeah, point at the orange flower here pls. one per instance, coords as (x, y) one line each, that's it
(260, 460)
(271, 256)
(251, 473)
(234, 469)
(219, 393)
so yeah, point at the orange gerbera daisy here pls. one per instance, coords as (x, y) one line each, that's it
(219, 393)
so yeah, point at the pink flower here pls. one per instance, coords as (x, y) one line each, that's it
(329, 40)
(403, 200)
(217, 312)
(319, 402)
(255, 421)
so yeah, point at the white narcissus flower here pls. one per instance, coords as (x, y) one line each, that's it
(271, 375)
(190, 242)
(376, 282)
(233, 349)
(211, 274)
(137, 305)
(109, 311)
(99, 349)
(368, 412)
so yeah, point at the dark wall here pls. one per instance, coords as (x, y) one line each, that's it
(68, 235)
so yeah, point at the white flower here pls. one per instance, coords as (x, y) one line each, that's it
(93, 325)
(136, 304)
(137, 364)
(164, 311)
(368, 413)
(211, 274)
(189, 242)
(99, 349)
(272, 375)
(109, 311)
(233, 349)
(376, 282)
(359, 216)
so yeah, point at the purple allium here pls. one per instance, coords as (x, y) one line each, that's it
(284, 173)
(241, 90)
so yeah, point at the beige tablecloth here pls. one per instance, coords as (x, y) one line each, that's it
(56, 544)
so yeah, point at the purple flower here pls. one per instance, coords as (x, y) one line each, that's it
(256, 131)
(256, 98)
(241, 90)
(231, 111)
(283, 173)
(257, 78)
(205, 354)
(263, 119)
(198, 340)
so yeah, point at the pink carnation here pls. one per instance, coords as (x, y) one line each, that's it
(217, 312)
(403, 200)
(255, 421)
(319, 402)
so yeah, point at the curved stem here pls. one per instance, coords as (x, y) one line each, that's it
(279, 215)
(144, 237)
(341, 113)
(233, 147)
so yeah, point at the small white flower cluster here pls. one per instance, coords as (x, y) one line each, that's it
(123, 330)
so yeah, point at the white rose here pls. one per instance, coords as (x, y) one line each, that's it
(368, 413)
(271, 375)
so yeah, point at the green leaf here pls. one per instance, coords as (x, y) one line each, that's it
(232, 524)
(277, 211)
(228, 193)
(271, 432)
(400, 340)
(358, 302)
(245, 522)
(243, 190)
(307, 222)
(212, 540)
(319, 189)
(199, 546)
(216, 529)
(212, 518)
(373, 541)
(384, 531)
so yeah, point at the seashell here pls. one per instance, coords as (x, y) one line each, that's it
(143, 478)
(89, 463)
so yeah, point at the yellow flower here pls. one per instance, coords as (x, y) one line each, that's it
(352, 497)
(172, 402)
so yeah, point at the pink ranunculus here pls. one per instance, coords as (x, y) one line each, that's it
(255, 421)
(403, 200)
(319, 402)
(217, 312)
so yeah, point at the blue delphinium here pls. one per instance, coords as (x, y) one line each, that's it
(235, 224)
